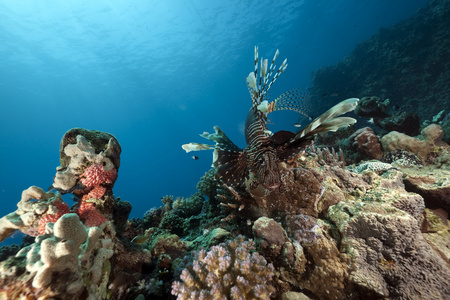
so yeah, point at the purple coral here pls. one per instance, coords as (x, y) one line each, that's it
(229, 270)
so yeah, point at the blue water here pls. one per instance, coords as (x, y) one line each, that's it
(155, 74)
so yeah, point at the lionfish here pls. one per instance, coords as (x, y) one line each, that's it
(265, 150)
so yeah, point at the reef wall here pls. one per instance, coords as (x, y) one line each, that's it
(406, 63)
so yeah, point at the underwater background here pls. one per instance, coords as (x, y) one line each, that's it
(155, 74)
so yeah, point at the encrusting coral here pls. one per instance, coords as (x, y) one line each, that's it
(35, 209)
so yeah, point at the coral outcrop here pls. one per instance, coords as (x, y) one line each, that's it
(431, 137)
(391, 257)
(77, 253)
(35, 209)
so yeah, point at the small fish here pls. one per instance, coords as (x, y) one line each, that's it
(298, 125)
(194, 157)
(140, 239)
(371, 121)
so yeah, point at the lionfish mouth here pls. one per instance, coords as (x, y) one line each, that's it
(273, 186)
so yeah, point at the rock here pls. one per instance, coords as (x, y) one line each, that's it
(294, 296)
(431, 137)
(402, 121)
(372, 107)
(367, 143)
(391, 256)
(269, 236)
(435, 189)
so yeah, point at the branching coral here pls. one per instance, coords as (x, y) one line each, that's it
(227, 271)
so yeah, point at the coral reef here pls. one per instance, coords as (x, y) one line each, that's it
(375, 229)
(372, 107)
(402, 121)
(323, 229)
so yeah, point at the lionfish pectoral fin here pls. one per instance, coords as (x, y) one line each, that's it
(219, 137)
(333, 125)
(196, 147)
(229, 159)
(221, 140)
(231, 166)
(289, 150)
(328, 121)
(281, 137)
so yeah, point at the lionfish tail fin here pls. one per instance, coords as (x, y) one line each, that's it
(328, 121)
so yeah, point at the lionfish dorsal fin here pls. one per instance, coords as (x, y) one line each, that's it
(259, 83)
(295, 100)
(328, 121)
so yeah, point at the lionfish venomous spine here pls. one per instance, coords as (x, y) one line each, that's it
(265, 151)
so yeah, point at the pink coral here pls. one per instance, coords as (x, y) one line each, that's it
(96, 175)
(62, 207)
(90, 215)
(93, 178)
(97, 192)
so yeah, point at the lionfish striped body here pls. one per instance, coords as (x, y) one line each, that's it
(264, 150)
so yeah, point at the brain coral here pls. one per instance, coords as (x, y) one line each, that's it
(227, 271)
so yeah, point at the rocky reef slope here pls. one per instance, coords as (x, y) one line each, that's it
(406, 63)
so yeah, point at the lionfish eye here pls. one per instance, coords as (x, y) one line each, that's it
(261, 161)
